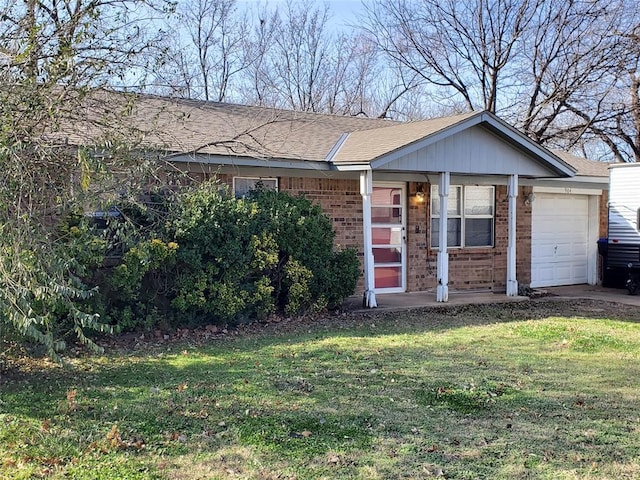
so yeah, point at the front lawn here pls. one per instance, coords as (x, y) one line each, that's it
(544, 389)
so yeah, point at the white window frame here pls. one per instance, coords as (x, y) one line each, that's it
(463, 216)
(257, 180)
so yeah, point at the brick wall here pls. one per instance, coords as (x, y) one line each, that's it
(523, 237)
(603, 230)
(339, 199)
(421, 265)
(469, 268)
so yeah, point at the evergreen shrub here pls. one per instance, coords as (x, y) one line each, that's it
(218, 259)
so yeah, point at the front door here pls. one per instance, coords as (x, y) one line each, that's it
(388, 219)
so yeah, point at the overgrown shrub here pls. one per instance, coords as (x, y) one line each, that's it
(217, 259)
(44, 297)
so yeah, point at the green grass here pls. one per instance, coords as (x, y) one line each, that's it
(544, 390)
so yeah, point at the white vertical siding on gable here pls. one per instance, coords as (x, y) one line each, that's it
(472, 151)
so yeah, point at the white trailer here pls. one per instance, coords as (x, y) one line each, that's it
(623, 233)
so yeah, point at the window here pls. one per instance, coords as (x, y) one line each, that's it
(470, 212)
(243, 185)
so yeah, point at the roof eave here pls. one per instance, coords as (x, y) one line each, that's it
(350, 167)
(247, 161)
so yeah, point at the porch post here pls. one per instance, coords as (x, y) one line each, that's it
(512, 283)
(442, 291)
(366, 190)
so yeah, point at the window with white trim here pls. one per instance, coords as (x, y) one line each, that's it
(243, 185)
(470, 216)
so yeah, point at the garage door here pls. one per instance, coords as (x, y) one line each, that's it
(559, 239)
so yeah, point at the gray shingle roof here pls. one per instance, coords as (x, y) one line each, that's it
(583, 166)
(187, 126)
(365, 146)
(183, 126)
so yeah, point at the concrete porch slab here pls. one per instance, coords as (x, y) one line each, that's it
(404, 301)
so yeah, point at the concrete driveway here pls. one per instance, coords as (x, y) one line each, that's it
(595, 292)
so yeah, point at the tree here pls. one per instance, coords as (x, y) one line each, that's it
(464, 48)
(545, 65)
(302, 65)
(298, 62)
(285, 57)
(614, 122)
(255, 88)
(209, 50)
(57, 54)
(573, 56)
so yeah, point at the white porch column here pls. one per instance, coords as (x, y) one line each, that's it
(366, 190)
(512, 283)
(442, 291)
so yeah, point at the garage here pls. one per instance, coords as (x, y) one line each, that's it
(560, 239)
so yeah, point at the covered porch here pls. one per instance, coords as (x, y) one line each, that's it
(475, 151)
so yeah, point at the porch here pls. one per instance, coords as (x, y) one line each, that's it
(408, 301)
(463, 163)
(411, 300)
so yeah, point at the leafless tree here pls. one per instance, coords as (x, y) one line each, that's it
(616, 122)
(464, 48)
(205, 53)
(574, 54)
(300, 56)
(255, 87)
(284, 56)
(300, 64)
(551, 67)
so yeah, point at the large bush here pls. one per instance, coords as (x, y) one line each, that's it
(218, 259)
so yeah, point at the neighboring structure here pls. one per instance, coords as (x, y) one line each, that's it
(462, 202)
(622, 247)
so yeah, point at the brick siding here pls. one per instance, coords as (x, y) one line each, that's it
(603, 230)
(469, 268)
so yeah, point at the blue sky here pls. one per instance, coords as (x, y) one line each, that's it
(343, 11)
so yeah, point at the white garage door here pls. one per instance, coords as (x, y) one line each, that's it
(559, 239)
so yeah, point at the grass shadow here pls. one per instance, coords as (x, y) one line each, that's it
(470, 389)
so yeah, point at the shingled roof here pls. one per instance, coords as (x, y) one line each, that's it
(189, 126)
(365, 146)
(583, 166)
(195, 128)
